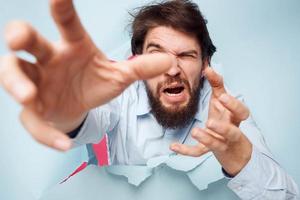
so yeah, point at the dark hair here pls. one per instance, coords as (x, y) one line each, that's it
(182, 15)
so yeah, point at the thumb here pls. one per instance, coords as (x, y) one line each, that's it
(148, 66)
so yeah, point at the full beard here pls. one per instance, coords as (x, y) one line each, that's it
(177, 116)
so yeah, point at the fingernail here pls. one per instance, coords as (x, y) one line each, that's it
(175, 147)
(224, 98)
(20, 91)
(209, 69)
(210, 124)
(62, 144)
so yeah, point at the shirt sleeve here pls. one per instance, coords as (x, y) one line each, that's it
(98, 122)
(262, 178)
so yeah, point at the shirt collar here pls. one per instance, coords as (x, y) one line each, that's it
(144, 107)
(203, 106)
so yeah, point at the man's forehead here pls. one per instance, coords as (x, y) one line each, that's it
(169, 38)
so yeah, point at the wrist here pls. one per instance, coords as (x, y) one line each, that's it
(236, 157)
(71, 125)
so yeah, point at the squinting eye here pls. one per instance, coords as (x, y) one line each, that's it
(155, 51)
(188, 56)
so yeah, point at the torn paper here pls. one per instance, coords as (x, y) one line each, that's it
(164, 183)
(134, 174)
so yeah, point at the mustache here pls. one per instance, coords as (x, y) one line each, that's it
(172, 80)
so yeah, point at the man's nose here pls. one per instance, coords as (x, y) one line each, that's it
(175, 69)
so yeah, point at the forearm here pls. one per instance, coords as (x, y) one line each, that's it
(263, 178)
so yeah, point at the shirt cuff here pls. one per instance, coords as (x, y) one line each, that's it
(251, 180)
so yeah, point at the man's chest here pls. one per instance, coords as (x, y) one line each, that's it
(144, 138)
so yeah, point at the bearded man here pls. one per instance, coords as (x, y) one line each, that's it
(178, 105)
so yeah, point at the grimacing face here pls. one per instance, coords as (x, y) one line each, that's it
(174, 94)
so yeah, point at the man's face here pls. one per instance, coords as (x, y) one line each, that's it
(174, 94)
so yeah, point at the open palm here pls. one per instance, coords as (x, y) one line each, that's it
(69, 77)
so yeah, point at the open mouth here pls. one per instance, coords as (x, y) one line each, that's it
(173, 90)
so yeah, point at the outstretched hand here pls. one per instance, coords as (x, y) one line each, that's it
(69, 77)
(222, 134)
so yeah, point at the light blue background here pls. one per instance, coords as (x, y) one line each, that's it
(258, 45)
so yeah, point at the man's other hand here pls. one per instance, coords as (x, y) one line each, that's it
(222, 134)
